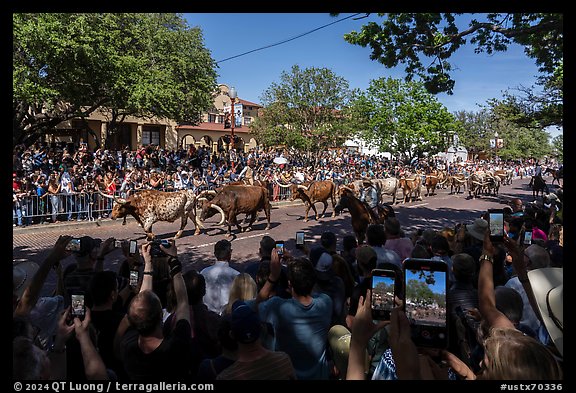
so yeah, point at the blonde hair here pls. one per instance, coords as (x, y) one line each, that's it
(510, 355)
(243, 288)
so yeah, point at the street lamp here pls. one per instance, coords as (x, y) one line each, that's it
(496, 146)
(232, 93)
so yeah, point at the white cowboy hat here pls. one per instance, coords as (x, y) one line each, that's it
(22, 274)
(478, 229)
(548, 288)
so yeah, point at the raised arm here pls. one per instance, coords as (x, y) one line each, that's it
(486, 296)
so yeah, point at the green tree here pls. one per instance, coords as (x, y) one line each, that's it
(401, 118)
(304, 110)
(416, 289)
(67, 65)
(558, 147)
(424, 42)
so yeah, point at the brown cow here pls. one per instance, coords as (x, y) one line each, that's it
(411, 186)
(430, 183)
(316, 191)
(234, 200)
(150, 206)
(457, 181)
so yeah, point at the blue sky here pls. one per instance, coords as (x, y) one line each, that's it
(479, 77)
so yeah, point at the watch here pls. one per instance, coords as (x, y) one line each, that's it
(485, 257)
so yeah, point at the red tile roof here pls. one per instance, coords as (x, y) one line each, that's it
(244, 102)
(205, 126)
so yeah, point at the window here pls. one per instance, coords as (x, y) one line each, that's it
(150, 135)
(247, 120)
(211, 118)
(220, 118)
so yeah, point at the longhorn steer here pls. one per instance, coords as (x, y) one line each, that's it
(234, 200)
(317, 191)
(150, 206)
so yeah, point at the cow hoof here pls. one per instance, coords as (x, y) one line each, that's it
(305, 220)
(196, 233)
(247, 229)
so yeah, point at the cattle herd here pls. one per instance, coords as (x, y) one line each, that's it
(151, 206)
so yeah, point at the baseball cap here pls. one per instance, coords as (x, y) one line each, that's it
(322, 262)
(245, 323)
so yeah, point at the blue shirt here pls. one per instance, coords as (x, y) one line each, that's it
(301, 331)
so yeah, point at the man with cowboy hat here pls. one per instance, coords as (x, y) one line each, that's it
(369, 195)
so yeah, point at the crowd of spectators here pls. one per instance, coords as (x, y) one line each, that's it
(301, 315)
(60, 182)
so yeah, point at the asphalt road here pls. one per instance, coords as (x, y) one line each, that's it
(34, 242)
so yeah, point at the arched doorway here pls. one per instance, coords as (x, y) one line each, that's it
(187, 141)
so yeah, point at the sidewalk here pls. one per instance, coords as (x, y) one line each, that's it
(59, 227)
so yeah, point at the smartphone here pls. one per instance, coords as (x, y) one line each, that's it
(155, 249)
(280, 247)
(132, 248)
(299, 238)
(425, 303)
(133, 278)
(383, 293)
(73, 245)
(78, 306)
(496, 224)
(118, 243)
(528, 237)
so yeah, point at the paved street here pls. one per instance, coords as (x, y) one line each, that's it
(32, 243)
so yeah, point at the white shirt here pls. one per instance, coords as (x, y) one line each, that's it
(219, 279)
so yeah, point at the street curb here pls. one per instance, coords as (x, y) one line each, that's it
(59, 227)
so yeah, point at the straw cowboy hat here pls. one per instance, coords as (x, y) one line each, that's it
(548, 288)
(478, 229)
(22, 274)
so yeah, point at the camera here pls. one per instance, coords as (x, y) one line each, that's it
(155, 249)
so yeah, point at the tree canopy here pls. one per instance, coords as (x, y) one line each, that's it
(303, 110)
(402, 118)
(424, 42)
(67, 65)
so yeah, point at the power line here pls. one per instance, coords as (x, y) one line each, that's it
(289, 39)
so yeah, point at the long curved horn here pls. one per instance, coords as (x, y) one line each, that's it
(115, 198)
(282, 185)
(303, 187)
(198, 222)
(219, 209)
(201, 199)
(347, 188)
(205, 192)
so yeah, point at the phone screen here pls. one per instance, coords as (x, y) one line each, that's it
(133, 246)
(118, 243)
(383, 292)
(78, 308)
(280, 247)
(528, 237)
(73, 245)
(425, 303)
(299, 238)
(133, 278)
(496, 222)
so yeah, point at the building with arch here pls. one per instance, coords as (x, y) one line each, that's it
(132, 132)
